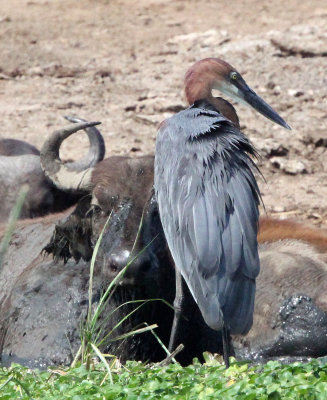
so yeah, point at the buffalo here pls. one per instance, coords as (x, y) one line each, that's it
(20, 165)
(44, 298)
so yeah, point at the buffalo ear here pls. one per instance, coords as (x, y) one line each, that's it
(72, 235)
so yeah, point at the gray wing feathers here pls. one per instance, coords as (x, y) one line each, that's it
(206, 237)
(237, 303)
(204, 184)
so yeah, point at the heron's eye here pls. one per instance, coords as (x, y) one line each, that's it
(234, 76)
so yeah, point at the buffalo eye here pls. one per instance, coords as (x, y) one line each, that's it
(96, 209)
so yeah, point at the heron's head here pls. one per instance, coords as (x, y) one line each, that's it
(214, 73)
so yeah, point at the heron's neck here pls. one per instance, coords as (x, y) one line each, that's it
(199, 85)
(202, 92)
(226, 109)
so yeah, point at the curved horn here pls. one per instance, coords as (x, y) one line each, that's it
(96, 151)
(62, 176)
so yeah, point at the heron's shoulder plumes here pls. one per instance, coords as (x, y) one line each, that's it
(197, 120)
(203, 122)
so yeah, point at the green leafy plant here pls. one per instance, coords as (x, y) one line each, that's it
(242, 381)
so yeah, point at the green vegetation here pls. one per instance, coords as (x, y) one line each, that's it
(197, 381)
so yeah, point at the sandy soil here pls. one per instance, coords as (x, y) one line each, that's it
(122, 62)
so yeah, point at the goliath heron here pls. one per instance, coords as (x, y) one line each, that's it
(208, 198)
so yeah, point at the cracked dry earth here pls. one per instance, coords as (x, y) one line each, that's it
(122, 62)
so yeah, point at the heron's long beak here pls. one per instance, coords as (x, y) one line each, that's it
(240, 92)
(255, 101)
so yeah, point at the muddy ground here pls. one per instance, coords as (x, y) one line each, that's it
(122, 62)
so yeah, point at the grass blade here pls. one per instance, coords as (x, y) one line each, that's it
(104, 361)
(135, 332)
(94, 255)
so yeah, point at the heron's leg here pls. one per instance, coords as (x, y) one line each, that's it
(178, 306)
(226, 349)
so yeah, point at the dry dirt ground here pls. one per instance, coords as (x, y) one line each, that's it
(122, 62)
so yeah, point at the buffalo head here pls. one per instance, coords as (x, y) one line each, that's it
(118, 189)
